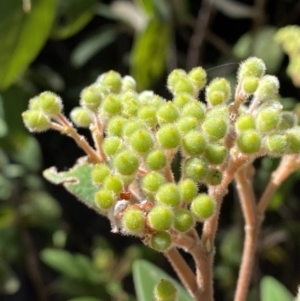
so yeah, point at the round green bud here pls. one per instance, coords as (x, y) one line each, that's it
(198, 76)
(34, 103)
(195, 168)
(294, 139)
(218, 91)
(193, 143)
(90, 98)
(250, 84)
(104, 199)
(188, 190)
(287, 121)
(214, 177)
(113, 183)
(160, 218)
(267, 88)
(219, 111)
(161, 241)
(131, 126)
(215, 153)
(147, 114)
(180, 100)
(141, 141)
(194, 109)
(249, 142)
(112, 80)
(253, 66)
(36, 121)
(168, 136)
(245, 122)
(183, 220)
(146, 96)
(215, 127)
(50, 104)
(126, 163)
(165, 290)
(167, 113)
(186, 124)
(203, 207)
(112, 145)
(128, 83)
(111, 105)
(156, 159)
(156, 101)
(267, 120)
(130, 103)
(168, 194)
(99, 173)
(277, 144)
(151, 182)
(115, 126)
(81, 117)
(134, 221)
(174, 77)
(183, 85)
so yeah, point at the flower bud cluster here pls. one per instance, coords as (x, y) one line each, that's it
(141, 134)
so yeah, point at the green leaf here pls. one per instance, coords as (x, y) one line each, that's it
(146, 276)
(22, 35)
(77, 181)
(92, 45)
(147, 5)
(248, 45)
(273, 290)
(73, 15)
(149, 53)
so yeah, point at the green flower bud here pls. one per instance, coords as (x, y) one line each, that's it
(183, 220)
(287, 121)
(50, 104)
(267, 88)
(146, 96)
(113, 183)
(219, 111)
(218, 91)
(115, 126)
(128, 83)
(151, 182)
(267, 120)
(214, 177)
(160, 218)
(112, 80)
(141, 141)
(215, 127)
(249, 142)
(161, 241)
(168, 194)
(156, 101)
(168, 136)
(36, 121)
(250, 84)
(253, 66)
(131, 126)
(147, 114)
(34, 103)
(167, 113)
(245, 122)
(130, 103)
(294, 139)
(277, 144)
(188, 190)
(195, 168)
(193, 143)
(165, 291)
(91, 98)
(156, 159)
(198, 77)
(194, 109)
(174, 77)
(186, 124)
(104, 199)
(111, 105)
(112, 145)
(81, 117)
(183, 85)
(134, 221)
(215, 153)
(203, 207)
(180, 100)
(99, 173)
(126, 163)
